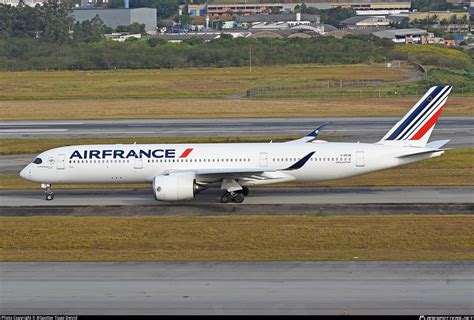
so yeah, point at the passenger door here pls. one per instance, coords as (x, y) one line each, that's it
(263, 159)
(138, 163)
(60, 164)
(360, 161)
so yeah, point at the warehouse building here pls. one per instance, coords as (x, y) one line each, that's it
(405, 36)
(275, 21)
(358, 22)
(362, 7)
(365, 7)
(119, 17)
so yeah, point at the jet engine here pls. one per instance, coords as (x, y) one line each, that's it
(175, 187)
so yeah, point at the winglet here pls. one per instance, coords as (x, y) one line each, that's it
(301, 162)
(310, 136)
(315, 132)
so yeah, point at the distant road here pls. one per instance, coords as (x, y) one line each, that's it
(344, 287)
(459, 129)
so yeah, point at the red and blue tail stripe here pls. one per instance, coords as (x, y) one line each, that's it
(422, 117)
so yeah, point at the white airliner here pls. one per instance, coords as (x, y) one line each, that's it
(180, 171)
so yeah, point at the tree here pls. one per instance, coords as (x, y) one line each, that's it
(133, 28)
(153, 42)
(430, 5)
(116, 4)
(56, 22)
(336, 15)
(275, 10)
(330, 16)
(26, 22)
(90, 30)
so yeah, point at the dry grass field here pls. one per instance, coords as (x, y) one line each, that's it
(196, 93)
(242, 238)
(454, 168)
(217, 108)
(178, 83)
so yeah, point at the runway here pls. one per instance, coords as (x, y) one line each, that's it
(354, 200)
(238, 288)
(279, 196)
(459, 129)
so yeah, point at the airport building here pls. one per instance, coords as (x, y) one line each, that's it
(119, 17)
(439, 15)
(276, 21)
(362, 7)
(361, 22)
(251, 8)
(405, 36)
(453, 22)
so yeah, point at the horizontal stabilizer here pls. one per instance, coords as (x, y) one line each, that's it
(420, 153)
(437, 144)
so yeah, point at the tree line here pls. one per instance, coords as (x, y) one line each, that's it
(434, 5)
(33, 54)
(51, 21)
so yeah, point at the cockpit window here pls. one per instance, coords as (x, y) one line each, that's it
(37, 161)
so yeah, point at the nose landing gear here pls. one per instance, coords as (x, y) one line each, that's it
(49, 194)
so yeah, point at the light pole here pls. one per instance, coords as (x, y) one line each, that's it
(250, 58)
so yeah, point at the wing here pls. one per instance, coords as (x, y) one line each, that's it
(250, 175)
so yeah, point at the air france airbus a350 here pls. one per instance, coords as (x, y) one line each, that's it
(180, 171)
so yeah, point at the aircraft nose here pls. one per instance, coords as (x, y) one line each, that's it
(26, 173)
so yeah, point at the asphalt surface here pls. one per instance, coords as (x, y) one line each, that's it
(238, 288)
(275, 201)
(270, 196)
(459, 129)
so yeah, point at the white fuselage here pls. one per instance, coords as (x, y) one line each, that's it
(140, 163)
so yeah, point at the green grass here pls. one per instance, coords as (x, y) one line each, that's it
(237, 238)
(435, 55)
(177, 83)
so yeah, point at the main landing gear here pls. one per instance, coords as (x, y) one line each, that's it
(49, 194)
(235, 196)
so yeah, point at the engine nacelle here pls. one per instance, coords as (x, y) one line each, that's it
(175, 187)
